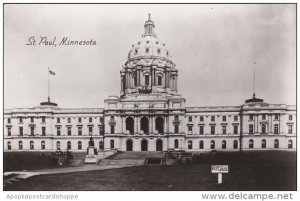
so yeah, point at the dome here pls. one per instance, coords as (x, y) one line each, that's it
(149, 45)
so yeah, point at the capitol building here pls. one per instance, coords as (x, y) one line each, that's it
(151, 115)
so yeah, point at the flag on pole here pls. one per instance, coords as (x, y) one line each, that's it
(51, 72)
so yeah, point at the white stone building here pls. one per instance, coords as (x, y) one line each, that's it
(150, 115)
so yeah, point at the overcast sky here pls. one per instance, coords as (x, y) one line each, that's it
(214, 48)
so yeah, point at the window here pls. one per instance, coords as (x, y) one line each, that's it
(235, 118)
(43, 119)
(167, 54)
(43, 145)
(251, 144)
(58, 145)
(176, 143)
(112, 144)
(251, 128)
(158, 51)
(223, 144)
(276, 117)
(58, 131)
(101, 120)
(21, 131)
(69, 130)
(147, 41)
(263, 144)
(58, 120)
(201, 144)
(223, 118)
(290, 144)
(31, 145)
(135, 80)
(147, 80)
(212, 144)
(190, 144)
(147, 50)
(176, 117)
(263, 129)
(235, 129)
(290, 117)
(159, 80)
(20, 145)
(263, 117)
(8, 131)
(90, 119)
(223, 129)
(201, 118)
(235, 144)
(201, 131)
(31, 119)
(9, 145)
(8, 120)
(135, 51)
(20, 120)
(190, 129)
(80, 130)
(69, 120)
(276, 128)
(212, 118)
(69, 145)
(101, 130)
(79, 145)
(43, 131)
(112, 129)
(251, 117)
(212, 130)
(290, 129)
(276, 143)
(176, 129)
(190, 119)
(90, 130)
(31, 130)
(79, 119)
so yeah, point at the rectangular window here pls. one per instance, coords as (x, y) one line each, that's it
(276, 117)
(79, 130)
(223, 118)
(8, 120)
(235, 118)
(147, 80)
(91, 120)
(32, 130)
(101, 131)
(21, 131)
(79, 120)
(43, 131)
(201, 131)
(235, 129)
(212, 118)
(263, 129)
(290, 117)
(20, 120)
(159, 80)
(58, 131)
(112, 129)
(31, 119)
(101, 120)
(201, 118)
(43, 119)
(190, 129)
(251, 117)
(223, 129)
(58, 120)
(212, 130)
(251, 129)
(190, 119)
(290, 131)
(90, 130)
(176, 129)
(176, 118)
(263, 117)
(69, 120)
(276, 128)
(9, 131)
(69, 130)
(112, 118)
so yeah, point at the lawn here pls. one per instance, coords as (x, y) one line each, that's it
(248, 171)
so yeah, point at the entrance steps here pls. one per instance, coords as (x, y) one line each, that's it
(139, 155)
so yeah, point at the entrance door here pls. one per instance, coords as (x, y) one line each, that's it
(159, 145)
(144, 145)
(129, 145)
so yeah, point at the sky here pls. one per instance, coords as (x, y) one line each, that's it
(214, 47)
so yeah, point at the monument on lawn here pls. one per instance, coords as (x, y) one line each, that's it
(91, 156)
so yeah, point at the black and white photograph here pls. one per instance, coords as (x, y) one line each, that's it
(149, 97)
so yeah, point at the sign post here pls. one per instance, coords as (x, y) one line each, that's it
(220, 169)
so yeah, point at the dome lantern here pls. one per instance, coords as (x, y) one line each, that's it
(149, 27)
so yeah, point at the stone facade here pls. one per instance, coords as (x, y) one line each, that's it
(150, 115)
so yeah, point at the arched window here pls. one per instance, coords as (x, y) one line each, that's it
(159, 145)
(58, 145)
(251, 144)
(101, 146)
(112, 144)
(290, 144)
(263, 143)
(263, 129)
(201, 144)
(159, 80)
(79, 145)
(212, 144)
(159, 124)
(9, 145)
(276, 143)
(43, 145)
(235, 144)
(190, 144)
(176, 144)
(144, 145)
(129, 145)
(224, 144)
(69, 145)
(145, 125)
(130, 125)
(31, 145)
(20, 145)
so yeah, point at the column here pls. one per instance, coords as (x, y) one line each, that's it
(122, 125)
(122, 89)
(135, 125)
(151, 125)
(270, 123)
(138, 125)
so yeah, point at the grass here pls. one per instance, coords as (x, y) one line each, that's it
(273, 170)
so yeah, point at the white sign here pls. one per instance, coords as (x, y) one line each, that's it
(219, 169)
